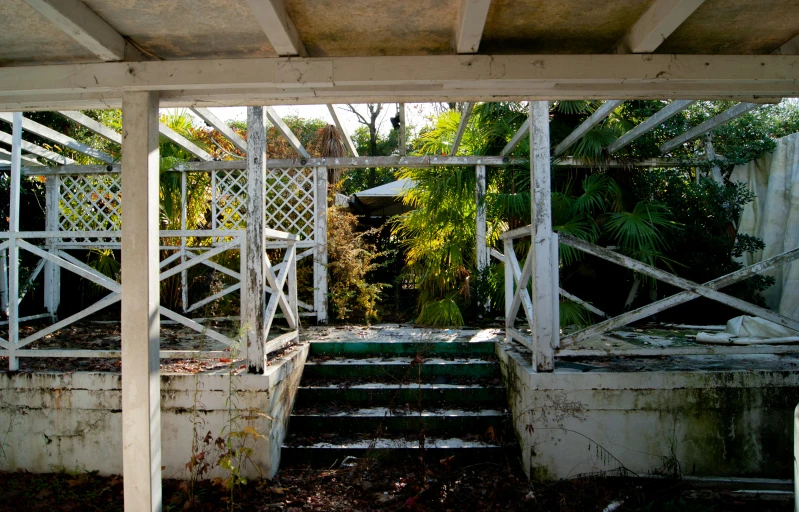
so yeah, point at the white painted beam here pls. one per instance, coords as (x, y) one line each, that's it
(710, 124)
(789, 48)
(183, 142)
(465, 115)
(39, 151)
(594, 119)
(472, 16)
(220, 126)
(59, 138)
(423, 78)
(481, 247)
(514, 141)
(283, 128)
(141, 397)
(254, 280)
(344, 135)
(95, 126)
(7, 153)
(545, 333)
(278, 26)
(13, 247)
(660, 117)
(76, 20)
(657, 23)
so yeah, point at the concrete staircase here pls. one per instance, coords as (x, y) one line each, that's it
(391, 398)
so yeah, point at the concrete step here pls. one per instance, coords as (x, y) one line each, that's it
(402, 348)
(326, 453)
(399, 421)
(379, 393)
(400, 368)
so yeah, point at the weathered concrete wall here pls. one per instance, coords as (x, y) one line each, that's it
(704, 423)
(73, 421)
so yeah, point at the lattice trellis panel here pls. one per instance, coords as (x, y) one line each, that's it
(230, 199)
(289, 197)
(90, 202)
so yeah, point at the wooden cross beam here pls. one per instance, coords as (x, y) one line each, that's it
(711, 124)
(283, 128)
(594, 119)
(278, 26)
(59, 138)
(662, 115)
(472, 16)
(465, 115)
(657, 23)
(218, 125)
(183, 142)
(91, 124)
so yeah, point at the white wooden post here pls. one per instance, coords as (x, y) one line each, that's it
(13, 249)
(52, 272)
(542, 278)
(796, 459)
(141, 389)
(291, 279)
(3, 281)
(253, 288)
(555, 342)
(184, 275)
(481, 247)
(320, 245)
(509, 322)
(401, 135)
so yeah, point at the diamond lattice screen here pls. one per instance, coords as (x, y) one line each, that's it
(89, 202)
(289, 197)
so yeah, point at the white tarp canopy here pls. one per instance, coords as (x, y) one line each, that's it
(773, 216)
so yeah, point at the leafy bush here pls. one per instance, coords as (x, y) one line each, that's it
(350, 259)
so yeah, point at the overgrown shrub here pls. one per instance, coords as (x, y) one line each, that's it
(350, 260)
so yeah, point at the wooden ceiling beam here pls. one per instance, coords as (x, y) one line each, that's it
(59, 138)
(594, 119)
(472, 16)
(278, 27)
(660, 117)
(657, 23)
(75, 19)
(711, 124)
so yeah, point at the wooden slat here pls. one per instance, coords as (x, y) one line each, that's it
(220, 126)
(711, 124)
(95, 126)
(38, 151)
(183, 142)
(520, 134)
(59, 138)
(594, 119)
(465, 115)
(344, 135)
(662, 115)
(283, 128)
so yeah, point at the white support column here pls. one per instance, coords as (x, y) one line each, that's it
(254, 287)
(52, 272)
(542, 278)
(402, 144)
(481, 246)
(141, 385)
(13, 249)
(184, 275)
(320, 245)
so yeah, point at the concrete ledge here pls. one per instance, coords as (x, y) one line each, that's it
(736, 423)
(72, 421)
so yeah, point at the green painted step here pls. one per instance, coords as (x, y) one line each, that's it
(402, 348)
(399, 421)
(381, 393)
(328, 453)
(401, 368)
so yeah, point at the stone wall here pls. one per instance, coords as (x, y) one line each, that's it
(72, 421)
(704, 423)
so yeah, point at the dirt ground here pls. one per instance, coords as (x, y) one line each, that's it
(373, 485)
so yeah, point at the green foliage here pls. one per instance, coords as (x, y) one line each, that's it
(350, 260)
(574, 314)
(441, 313)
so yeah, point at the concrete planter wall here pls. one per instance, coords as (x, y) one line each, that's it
(73, 421)
(703, 423)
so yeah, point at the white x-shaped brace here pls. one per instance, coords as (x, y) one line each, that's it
(72, 264)
(276, 284)
(520, 277)
(708, 290)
